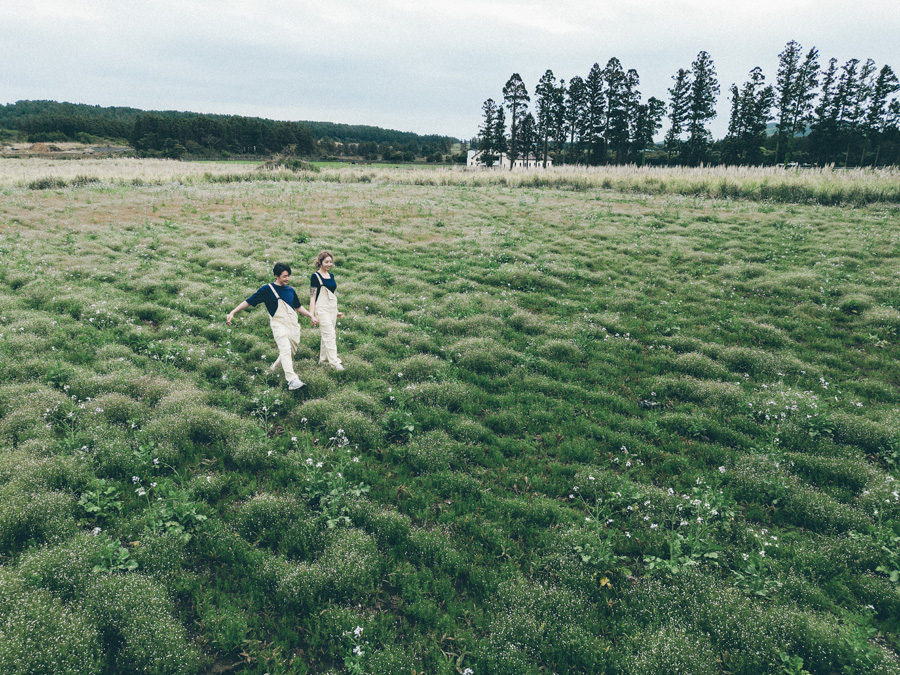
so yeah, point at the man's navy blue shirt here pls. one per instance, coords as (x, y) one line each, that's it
(264, 294)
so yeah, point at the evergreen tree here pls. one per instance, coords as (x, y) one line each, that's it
(846, 96)
(528, 138)
(545, 107)
(858, 103)
(701, 107)
(559, 129)
(499, 142)
(615, 117)
(576, 106)
(647, 121)
(515, 96)
(594, 112)
(678, 109)
(795, 85)
(876, 123)
(751, 108)
(486, 134)
(825, 115)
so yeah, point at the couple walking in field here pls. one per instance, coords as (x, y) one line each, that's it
(283, 305)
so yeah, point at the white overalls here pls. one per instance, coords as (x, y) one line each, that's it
(326, 311)
(286, 331)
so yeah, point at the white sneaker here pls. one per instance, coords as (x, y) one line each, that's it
(294, 384)
(339, 367)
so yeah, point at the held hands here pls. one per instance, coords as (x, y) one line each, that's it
(314, 319)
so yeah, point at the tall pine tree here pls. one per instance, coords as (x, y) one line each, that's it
(545, 103)
(679, 95)
(486, 134)
(701, 107)
(576, 106)
(876, 123)
(515, 96)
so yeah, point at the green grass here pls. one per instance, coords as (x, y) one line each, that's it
(579, 430)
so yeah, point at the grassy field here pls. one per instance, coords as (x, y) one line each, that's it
(580, 430)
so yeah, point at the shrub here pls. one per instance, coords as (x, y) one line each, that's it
(64, 569)
(561, 351)
(449, 395)
(537, 623)
(672, 650)
(134, 616)
(350, 565)
(281, 523)
(40, 635)
(183, 422)
(419, 367)
(699, 365)
(31, 472)
(121, 409)
(481, 355)
(432, 451)
(717, 395)
(526, 323)
(40, 516)
(160, 554)
(388, 527)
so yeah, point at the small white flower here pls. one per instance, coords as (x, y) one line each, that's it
(721, 469)
(135, 479)
(96, 531)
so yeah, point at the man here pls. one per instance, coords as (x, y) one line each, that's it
(283, 304)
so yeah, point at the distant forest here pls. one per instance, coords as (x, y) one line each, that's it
(185, 134)
(845, 115)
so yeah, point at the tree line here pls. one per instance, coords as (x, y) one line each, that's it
(847, 115)
(180, 134)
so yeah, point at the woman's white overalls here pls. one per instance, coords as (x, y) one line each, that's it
(326, 311)
(286, 331)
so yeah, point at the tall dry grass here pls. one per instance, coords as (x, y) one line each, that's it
(826, 185)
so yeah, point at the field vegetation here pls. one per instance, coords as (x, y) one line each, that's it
(607, 421)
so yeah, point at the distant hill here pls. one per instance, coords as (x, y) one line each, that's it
(171, 133)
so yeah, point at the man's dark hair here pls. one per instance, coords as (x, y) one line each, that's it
(281, 267)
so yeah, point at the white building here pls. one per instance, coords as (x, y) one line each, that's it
(473, 160)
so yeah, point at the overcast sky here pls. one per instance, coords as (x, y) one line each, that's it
(414, 65)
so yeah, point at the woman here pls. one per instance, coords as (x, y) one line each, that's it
(323, 305)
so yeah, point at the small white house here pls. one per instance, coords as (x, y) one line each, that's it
(473, 160)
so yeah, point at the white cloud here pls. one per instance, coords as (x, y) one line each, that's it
(420, 65)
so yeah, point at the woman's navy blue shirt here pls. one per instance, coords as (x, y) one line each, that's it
(330, 284)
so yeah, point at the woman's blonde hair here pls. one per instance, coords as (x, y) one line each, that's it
(321, 257)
